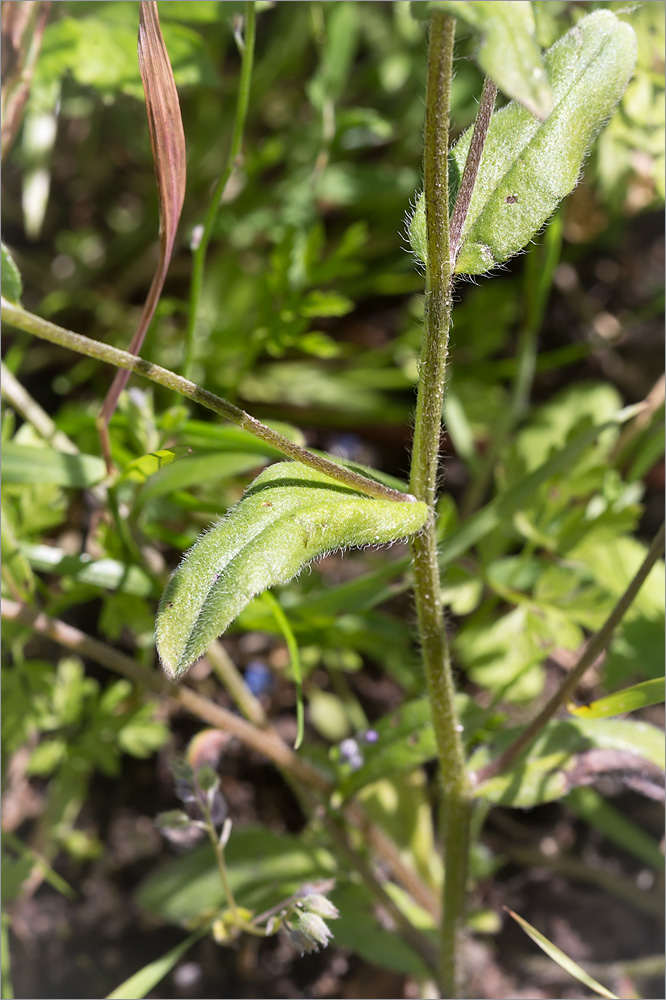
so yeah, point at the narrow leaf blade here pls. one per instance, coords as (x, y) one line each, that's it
(559, 956)
(146, 979)
(638, 696)
(290, 516)
(25, 464)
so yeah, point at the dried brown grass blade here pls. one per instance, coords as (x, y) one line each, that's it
(167, 141)
(23, 24)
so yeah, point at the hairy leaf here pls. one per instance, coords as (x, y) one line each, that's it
(290, 515)
(509, 52)
(529, 166)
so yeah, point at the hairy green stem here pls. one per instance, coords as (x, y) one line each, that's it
(234, 160)
(19, 318)
(456, 804)
(593, 649)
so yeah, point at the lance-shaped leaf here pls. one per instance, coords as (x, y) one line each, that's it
(509, 52)
(528, 166)
(289, 516)
(167, 141)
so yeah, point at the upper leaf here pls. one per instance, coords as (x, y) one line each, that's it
(509, 52)
(289, 516)
(528, 166)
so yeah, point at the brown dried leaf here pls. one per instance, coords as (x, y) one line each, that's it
(167, 141)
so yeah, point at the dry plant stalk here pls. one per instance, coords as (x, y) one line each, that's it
(167, 140)
(23, 25)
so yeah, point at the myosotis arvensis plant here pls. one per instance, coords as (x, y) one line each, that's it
(483, 202)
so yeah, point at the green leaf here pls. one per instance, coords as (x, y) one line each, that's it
(264, 868)
(289, 516)
(509, 52)
(15, 565)
(197, 470)
(528, 166)
(590, 805)
(146, 979)
(12, 285)
(107, 573)
(23, 464)
(637, 696)
(359, 929)
(545, 771)
(562, 960)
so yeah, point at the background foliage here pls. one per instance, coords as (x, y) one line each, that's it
(312, 320)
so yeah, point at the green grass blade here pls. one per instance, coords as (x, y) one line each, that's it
(292, 646)
(562, 960)
(146, 979)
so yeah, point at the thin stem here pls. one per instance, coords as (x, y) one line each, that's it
(30, 410)
(231, 678)
(218, 851)
(268, 742)
(17, 317)
(234, 160)
(594, 648)
(425, 455)
(472, 163)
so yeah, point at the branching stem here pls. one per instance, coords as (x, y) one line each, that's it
(472, 163)
(19, 318)
(593, 649)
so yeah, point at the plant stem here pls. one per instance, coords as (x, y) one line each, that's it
(594, 648)
(472, 163)
(427, 589)
(21, 319)
(234, 160)
(266, 742)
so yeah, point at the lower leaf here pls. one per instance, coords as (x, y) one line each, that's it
(289, 516)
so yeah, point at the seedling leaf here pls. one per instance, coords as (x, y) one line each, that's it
(290, 516)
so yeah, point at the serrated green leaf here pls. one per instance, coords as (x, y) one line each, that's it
(638, 696)
(509, 52)
(529, 166)
(12, 285)
(23, 464)
(289, 516)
